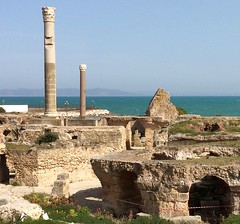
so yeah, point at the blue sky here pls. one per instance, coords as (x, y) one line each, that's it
(187, 47)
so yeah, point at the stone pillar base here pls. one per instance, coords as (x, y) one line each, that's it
(51, 114)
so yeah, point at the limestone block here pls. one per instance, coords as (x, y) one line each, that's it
(61, 186)
(13, 207)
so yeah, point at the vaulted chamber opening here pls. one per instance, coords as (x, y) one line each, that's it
(210, 198)
(130, 197)
(4, 171)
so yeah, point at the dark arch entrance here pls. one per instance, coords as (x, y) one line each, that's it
(129, 196)
(4, 171)
(210, 198)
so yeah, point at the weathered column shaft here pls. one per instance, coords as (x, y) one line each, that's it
(49, 61)
(82, 68)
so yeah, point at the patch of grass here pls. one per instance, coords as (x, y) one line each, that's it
(184, 127)
(232, 219)
(149, 220)
(15, 184)
(232, 129)
(38, 198)
(191, 127)
(63, 209)
(228, 143)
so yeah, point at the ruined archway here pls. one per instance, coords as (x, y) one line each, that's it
(138, 134)
(129, 198)
(210, 198)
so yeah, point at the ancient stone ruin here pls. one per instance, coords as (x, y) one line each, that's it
(194, 173)
(134, 180)
(162, 163)
(186, 166)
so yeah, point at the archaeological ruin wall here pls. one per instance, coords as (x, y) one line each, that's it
(167, 188)
(39, 165)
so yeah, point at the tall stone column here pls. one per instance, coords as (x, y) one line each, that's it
(49, 61)
(83, 69)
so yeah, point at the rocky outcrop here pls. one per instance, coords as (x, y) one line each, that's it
(160, 106)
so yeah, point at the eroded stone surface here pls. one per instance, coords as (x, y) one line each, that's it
(15, 206)
(160, 106)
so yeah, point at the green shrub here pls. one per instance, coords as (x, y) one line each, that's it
(47, 138)
(2, 110)
(181, 111)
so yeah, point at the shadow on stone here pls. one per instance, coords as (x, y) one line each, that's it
(92, 198)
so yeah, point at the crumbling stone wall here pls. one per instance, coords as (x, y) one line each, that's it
(23, 163)
(40, 164)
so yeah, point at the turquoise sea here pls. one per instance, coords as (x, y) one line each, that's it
(203, 105)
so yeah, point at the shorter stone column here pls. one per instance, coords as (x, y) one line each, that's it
(82, 69)
(61, 186)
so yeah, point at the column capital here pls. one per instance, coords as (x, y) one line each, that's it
(48, 14)
(82, 67)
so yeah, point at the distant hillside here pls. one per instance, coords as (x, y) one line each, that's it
(108, 92)
(66, 92)
(21, 92)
